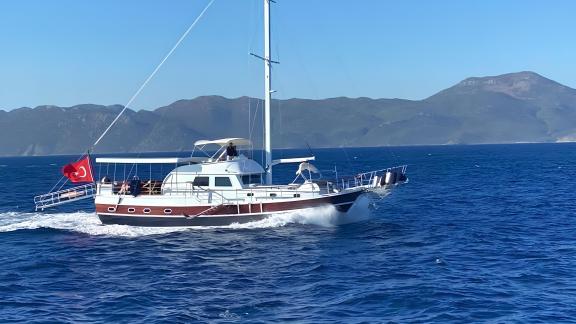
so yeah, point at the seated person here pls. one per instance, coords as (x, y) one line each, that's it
(135, 186)
(231, 151)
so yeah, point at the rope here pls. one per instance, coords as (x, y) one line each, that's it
(57, 183)
(256, 112)
(153, 73)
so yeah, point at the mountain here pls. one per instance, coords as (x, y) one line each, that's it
(531, 107)
(509, 108)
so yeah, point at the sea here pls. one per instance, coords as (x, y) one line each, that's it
(479, 234)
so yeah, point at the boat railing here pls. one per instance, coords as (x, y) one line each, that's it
(65, 196)
(233, 195)
(372, 179)
(212, 195)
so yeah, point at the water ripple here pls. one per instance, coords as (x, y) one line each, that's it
(480, 234)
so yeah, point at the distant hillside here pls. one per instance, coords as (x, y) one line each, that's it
(516, 107)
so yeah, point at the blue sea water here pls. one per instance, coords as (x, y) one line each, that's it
(480, 234)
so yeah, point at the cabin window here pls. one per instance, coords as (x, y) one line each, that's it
(273, 195)
(296, 195)
(201, 182)
(250, 194)
(112, 209)
(131, 210)
(222, 182)
(146, 210)
(251, 178)
(167, 211)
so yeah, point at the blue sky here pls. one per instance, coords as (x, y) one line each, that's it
(66, 52)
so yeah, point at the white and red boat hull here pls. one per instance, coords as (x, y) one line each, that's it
(220, 215)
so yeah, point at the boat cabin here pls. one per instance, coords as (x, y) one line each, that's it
(225, 171)
(238, 173)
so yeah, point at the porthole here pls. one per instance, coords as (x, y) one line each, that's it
(273, 195)
(250, 194)
(167, 211)
(146, 210)
(131, 210)
(111, 209)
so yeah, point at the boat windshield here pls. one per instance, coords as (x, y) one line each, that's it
(252, 179)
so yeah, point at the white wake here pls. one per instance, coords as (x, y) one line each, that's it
(321, 216)
(82, 222)
(88, 223)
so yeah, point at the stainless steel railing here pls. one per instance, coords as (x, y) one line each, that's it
(65, 196)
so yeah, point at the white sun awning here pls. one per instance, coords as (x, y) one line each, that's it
(224, 141)
(293, 160)
(167, 160)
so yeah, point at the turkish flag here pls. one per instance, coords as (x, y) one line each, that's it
(79, 171)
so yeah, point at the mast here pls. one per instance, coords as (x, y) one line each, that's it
(267, 93)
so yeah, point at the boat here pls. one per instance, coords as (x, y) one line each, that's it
(222, 187)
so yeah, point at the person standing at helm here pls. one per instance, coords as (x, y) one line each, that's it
(231, 151)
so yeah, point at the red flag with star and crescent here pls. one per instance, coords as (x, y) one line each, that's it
(79, 171)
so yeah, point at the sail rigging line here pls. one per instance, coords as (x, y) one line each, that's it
(348, 160)
(253, 32)
(253, 123)
(250, 126)
(58, 183)
(252, 22)
(137, 93)
(280, 138)
(256, 112)
(263, 152)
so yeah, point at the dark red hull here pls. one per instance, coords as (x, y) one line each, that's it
(214, 216)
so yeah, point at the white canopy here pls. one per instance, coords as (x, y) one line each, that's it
(167, 160)
(293, 160)
(224, 141)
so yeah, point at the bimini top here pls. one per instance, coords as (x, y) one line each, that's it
(224, 142)
(129, 160)
(240, 165)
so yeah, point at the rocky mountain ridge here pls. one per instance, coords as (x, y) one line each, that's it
(509, 108)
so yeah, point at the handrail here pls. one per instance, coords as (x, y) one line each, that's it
(64, 196)
(227, 194)
(367, 178)
(210, 191)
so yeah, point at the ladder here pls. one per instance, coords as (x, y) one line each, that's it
(65, 196)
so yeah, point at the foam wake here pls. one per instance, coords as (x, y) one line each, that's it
(321, 216)
(88, 223)
(82, 222)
